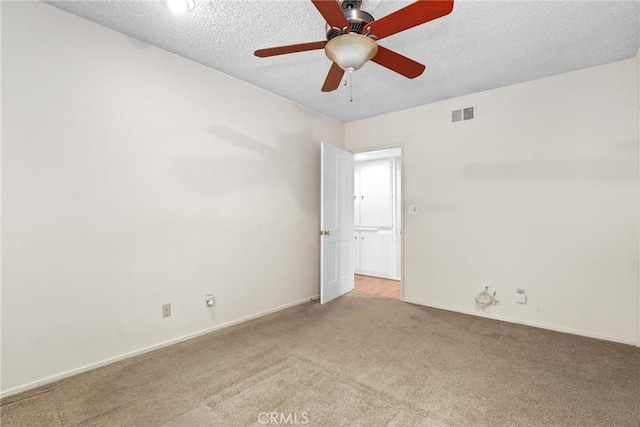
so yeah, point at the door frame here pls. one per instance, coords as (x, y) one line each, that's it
(402, 203)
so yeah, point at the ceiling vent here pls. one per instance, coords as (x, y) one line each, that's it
(462, 115)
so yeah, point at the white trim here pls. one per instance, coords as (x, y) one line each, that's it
(526, 323)
(638, 141)
(109, 361)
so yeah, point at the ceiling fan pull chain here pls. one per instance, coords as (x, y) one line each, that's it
(351, 85)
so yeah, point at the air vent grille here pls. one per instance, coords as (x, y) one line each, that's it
(463, 114)
(467, 113)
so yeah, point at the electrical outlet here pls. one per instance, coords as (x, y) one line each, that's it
(166, 310)
(521, 297)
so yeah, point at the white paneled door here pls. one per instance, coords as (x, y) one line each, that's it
(336, 223)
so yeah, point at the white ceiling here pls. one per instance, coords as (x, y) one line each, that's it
(481, 45)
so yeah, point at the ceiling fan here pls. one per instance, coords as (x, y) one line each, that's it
(352, 36)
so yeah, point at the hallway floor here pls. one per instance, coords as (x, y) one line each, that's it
(378, 286)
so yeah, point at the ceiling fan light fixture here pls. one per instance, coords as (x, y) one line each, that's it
(350, 51)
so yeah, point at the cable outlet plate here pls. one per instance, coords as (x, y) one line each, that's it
(166, 310)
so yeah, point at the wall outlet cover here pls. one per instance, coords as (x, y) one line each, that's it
(166, 310)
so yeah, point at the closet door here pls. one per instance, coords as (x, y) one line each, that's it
(356, 195)
(376, 253)
(376, 194)
(375, 221)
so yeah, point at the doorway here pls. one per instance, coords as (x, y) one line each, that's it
(378, 222)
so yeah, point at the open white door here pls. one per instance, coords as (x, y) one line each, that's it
(336, 223)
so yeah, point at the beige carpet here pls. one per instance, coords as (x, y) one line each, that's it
(358, 361)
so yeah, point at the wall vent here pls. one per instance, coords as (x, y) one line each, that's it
(462, 114)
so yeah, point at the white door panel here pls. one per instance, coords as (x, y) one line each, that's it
(376, 194)
(356, 195)
(336, 221)
(376, 249)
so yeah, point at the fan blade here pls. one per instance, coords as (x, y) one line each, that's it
(332, 13)
(408, 17)
(333, 78)
(292, 48)
(398, 63)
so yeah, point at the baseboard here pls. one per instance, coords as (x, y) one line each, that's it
(526, 323)
(377, 276)
(109, 361)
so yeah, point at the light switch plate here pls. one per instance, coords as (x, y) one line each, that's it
(413, 209)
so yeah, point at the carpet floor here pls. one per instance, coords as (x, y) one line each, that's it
(359, 361)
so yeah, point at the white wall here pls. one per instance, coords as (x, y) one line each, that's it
(132, 178)
(539, 192)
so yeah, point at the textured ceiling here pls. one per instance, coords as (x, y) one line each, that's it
(481, 45)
